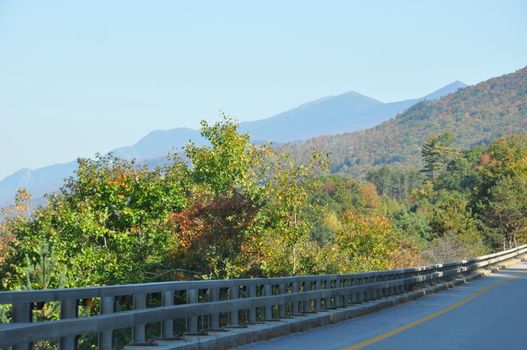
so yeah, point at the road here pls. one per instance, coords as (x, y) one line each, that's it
(487, 313)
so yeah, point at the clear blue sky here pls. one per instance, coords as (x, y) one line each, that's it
(77, 77)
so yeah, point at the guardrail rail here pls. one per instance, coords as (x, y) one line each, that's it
(212, 304)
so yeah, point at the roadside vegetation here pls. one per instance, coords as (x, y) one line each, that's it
(233, 209)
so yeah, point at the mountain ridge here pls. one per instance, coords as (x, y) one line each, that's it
(475, 115)
(349, 111)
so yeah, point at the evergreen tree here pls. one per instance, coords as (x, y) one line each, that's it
(437, 152)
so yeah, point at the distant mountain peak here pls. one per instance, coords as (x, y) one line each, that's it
(446, 90)
(458, 83)
(455, 84)
(353, 93)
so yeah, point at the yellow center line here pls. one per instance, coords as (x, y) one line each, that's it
(402, 328)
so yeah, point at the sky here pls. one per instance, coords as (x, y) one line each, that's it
(80, 77)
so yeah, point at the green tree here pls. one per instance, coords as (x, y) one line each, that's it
(507, 209)
(230, 163)
(215, 234)
(498, 197)
(107, 225)
(370, 242)
(284, 221)
(396, 183)
(437, 152)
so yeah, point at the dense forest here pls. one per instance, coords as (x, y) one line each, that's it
(475, 115)
(235, 209)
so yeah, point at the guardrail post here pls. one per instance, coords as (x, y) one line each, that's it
(214, 295)
(335, 284)
(167, 330)
(68, 309)
(139, 329)
(348, 299)
(252, 310)
(360, 291)
(318, 304)
(282, 289)
(105, 338)
(399, 288)
(354, 295)
(377, 292)
(307, 300)
(192, 321)
(406, 284)
(22, 314)
(234, 293)
(340, 299)
(327, 301)
(367, 290)
(388, 287)
(294, 304)
(385, 290)
(268, 309)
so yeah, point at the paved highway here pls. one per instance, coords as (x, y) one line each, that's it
(487, 313)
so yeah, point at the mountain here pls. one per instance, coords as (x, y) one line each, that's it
(347, 112)
(38, 182)
(445, 90)
(474, 115)
(159, 143)
(344, 112)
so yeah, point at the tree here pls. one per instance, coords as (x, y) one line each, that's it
(507, 209)
(437, 152)
(368, 242)
(230, 163)
(214, 237)
(445, 216)
(107, 225)
(500, 192)
(396, 183)
(215, 234)
(11, 216)
(284, 221)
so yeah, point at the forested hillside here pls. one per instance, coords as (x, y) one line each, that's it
(475, 115)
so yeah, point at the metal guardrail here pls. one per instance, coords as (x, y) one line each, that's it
(212, 304)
